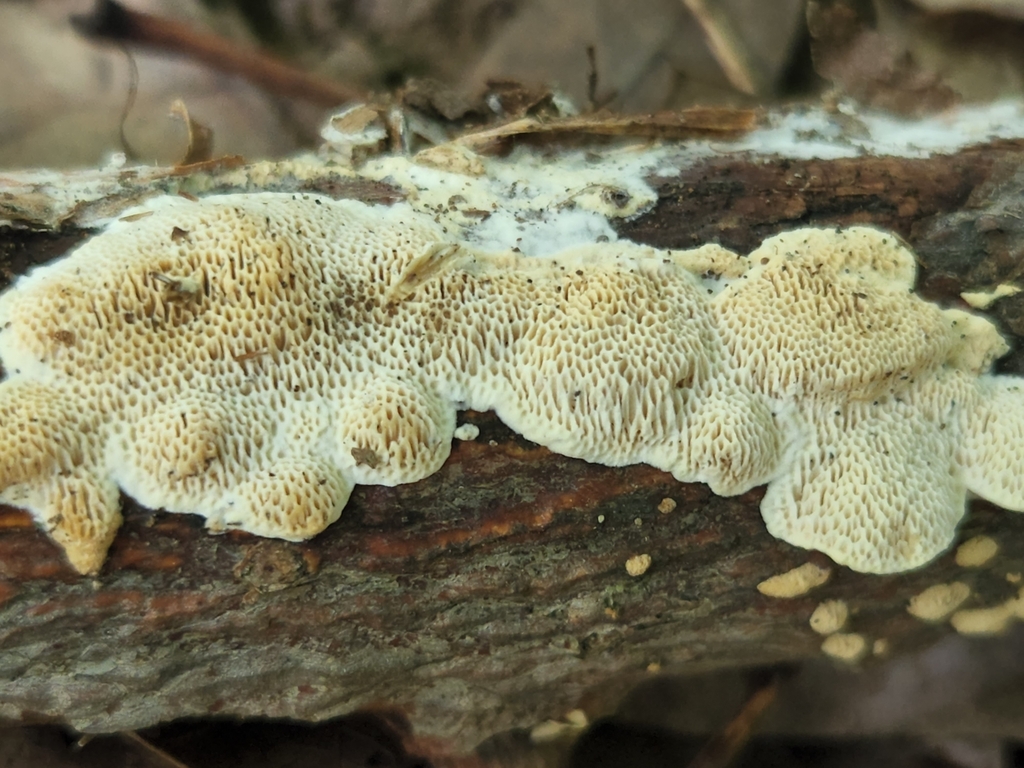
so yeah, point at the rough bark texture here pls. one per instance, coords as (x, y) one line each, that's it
(494, 593)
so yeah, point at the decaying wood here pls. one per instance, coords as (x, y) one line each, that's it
(494, 594)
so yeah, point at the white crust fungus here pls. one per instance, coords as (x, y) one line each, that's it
(569, 727)
(826, 324)
(993, 470)
(251, 358)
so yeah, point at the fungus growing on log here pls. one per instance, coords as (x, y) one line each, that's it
(292, 347)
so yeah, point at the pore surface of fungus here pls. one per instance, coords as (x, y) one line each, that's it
(251, 358)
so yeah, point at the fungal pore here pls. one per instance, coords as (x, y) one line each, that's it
(251, 358)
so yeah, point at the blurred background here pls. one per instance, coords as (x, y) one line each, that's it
(74, 93)
(66, 95)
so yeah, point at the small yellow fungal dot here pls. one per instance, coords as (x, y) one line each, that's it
(654, 667)
(985, 299)
(845, 646)
(638, 565)
(638, 521)
(938, 601)
(577, 717)
(796, 582)
(880, 647)
(667, 505)
(466, 432)
(1014, 577)
(976, 552)
(983, 621)
(451, 158)
(1016, 604)
(830, 616)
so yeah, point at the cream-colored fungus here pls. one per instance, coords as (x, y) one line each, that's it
(845, 646)
(638, 565)
(938, 601)
(251, 358)
(992, 620)
(830, 616)
(795, 582)
(976, 552)
(886, 387)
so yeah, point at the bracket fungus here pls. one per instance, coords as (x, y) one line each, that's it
(292, 347)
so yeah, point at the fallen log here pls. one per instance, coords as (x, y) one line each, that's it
(494, 593)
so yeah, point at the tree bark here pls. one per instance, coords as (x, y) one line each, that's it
(494, 593)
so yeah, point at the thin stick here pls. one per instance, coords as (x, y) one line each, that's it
(726, 45)
(112, 21)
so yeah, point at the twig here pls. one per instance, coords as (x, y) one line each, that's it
(112, 21)
(726, 46)
(163, 760)
(687, 123)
